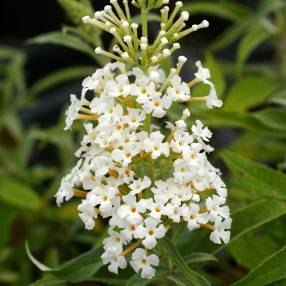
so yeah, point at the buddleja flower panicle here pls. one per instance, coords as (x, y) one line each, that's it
(120, 173)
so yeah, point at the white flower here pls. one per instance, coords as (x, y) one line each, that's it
(118, 87)
(134, 118)
(179, 90)
(203, 75)
(143, 89)
(87, 214)
(66, 191)
(101, 164)
(115, 240)
(72, 111)
(221, 230)
(125, 156)
(157, 208)
(183, 172)
(180, 142)
(104, 198)
(129, 229)
(157, 105)
(215, 206)
(150, 232)
(199, 131)
(102, 105)
(140, 260)
(212, 99)
(174, 212)
(113, 256)
(124, 111)
(132, 209)
(193, 217)
(154, 144)
(139, 185)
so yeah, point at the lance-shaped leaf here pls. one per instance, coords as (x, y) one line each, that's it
(66, 40)
(18, 194)
(254, 176)
(270, 270)
(181, 264)
(76, 270)
(59, 77)
(249, 92)
(228, 10)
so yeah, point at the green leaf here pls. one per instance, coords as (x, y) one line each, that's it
(257, 146)
(245, 220)
(80, 268)
(270, 270)
(59, 77)
(279, 98)
(37, 263)
(136, 279)
(260, 246)
(245, 22)
(18, 194)
(66, 40)
(257, 177)
(177, 280)
(109, 281)
(255, 215)
(233, 32)
(272, 117)
(250, 41)
(249, 92)
(48, 280)
(180, 263)
(7, 215)
(230, 11)
(199, 257)
(220, 118)
(75, 10)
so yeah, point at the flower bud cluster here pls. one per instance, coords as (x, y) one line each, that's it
(118, 22)
(140, 175)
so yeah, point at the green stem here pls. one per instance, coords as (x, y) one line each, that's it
(144, 14)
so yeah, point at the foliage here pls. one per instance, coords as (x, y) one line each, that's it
(254, 111)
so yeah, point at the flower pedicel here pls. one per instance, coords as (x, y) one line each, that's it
(124, 157)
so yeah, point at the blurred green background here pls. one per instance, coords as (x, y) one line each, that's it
(45, 52)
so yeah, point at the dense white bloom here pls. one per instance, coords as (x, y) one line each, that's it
(142, 261)
(132, 171)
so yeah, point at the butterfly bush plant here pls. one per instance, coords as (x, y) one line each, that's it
(138, 171)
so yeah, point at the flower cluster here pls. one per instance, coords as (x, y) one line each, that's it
(139, 174)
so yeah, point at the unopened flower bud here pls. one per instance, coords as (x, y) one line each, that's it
(166, 53)
(182, 59)
(185, 15)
